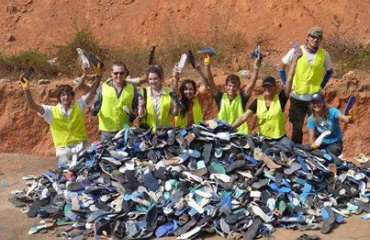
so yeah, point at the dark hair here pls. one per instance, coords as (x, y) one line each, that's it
(233, 78)
(121, 64)
(65, 88)
(157, 70)
(185, 100)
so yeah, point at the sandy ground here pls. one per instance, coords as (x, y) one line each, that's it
(14, 225)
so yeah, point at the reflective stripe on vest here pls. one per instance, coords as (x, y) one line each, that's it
(164, 112)
(231, 110)
(66, 131)
(197, 115)
(111, 115)
(271, 122)
(308, 78)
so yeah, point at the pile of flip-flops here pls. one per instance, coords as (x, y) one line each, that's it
(184, 182)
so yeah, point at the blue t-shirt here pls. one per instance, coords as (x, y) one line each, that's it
(331, 123)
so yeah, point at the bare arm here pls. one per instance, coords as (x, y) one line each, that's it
(31, 103)
(211, 84)
(81, 85)
(246, 115)
(252, 83)
(141, 107)
(204, 82)
(137, 81)
(174, 89)
(346, 119)
(311, 135)
(289, 82)
(143, 79)
(91, 94)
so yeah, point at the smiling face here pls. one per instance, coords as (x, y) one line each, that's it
(232, 89)
(232, 86)
(154, 81)
(269, 90)
(65, 95)
(314, 41)
(66, 99)
(317, 106)
(189, 91)
(118, 74)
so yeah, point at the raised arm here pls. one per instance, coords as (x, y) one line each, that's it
(208, 74)
(246, 115)
(346, 119)
(248, 89)
(91, 94)
(289, 81)
(286, 60)
(174, 89)
(257, 64)
(81, 85)
(29, 99)
(203, 78)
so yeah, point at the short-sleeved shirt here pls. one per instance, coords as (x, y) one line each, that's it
(331, 123)
(282, 98)
(48, 114)
(288, 58)
(244, 97)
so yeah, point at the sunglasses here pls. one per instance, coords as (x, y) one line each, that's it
(120, 73)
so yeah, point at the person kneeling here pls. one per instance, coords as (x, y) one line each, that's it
(325, 118)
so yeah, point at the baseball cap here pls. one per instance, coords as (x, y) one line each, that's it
(318, 97)
(269, 81)
(315, 31)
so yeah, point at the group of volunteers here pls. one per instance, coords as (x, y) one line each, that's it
(117, 102)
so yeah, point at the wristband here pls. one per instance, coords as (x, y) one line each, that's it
(282, 75)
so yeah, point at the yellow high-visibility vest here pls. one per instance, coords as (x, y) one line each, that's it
(66, 131)
(164, 113)
(181, 121)
(271, 122)
(308, 78)
(231, 110)
(111, 115)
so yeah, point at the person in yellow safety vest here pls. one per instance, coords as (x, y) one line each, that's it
(159, 104)
(231, 104)
(269, 109)
(66, 120)
(313, 72)
(116, 103)
(190, 111)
